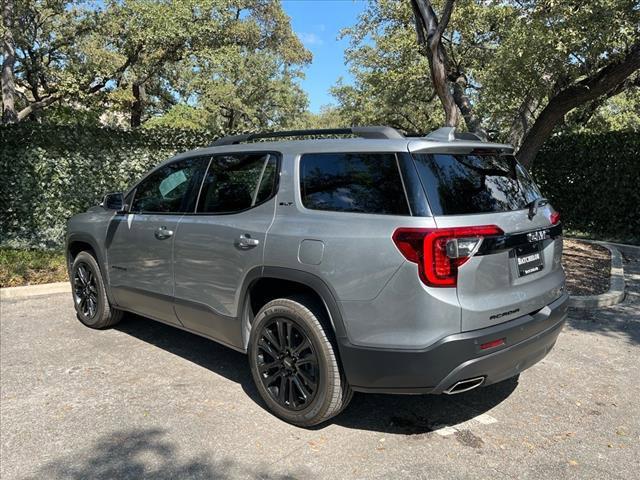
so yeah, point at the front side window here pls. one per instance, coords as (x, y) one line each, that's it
(475, 183)
(169, 189)
(237, 182)
(352, 182)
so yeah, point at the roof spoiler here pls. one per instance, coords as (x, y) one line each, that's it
(449, 134)
(373, 132)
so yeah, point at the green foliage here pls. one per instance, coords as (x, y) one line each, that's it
(391, 84)
(618, 113)
(126, 59)
(52, 172)
(512, 57)
(30, 267)
(593, 180)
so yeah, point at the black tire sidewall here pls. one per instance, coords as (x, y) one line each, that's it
(317, 407)
(102, 307)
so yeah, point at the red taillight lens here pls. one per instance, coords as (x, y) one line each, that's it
(555, 218)
(439, 252)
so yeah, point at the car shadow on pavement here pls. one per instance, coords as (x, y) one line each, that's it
(418, 414)
(401, 414)
(141, 454)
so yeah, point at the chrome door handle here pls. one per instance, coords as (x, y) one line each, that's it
(245, 241)
(162, 233)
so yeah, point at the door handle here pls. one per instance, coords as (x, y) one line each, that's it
(162, 233)
(245, 241)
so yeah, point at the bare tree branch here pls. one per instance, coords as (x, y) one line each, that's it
(603, 82)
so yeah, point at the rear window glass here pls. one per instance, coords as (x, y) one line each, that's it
(237, 182)
(475, 183)
(352, 182)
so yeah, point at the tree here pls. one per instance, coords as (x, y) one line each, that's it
(429, 30)
(9, 58)
(392, 84)
(505, 61)
(125, 56)
(228, 96)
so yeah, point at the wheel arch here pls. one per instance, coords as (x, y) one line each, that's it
(263, 284)
(79, 242)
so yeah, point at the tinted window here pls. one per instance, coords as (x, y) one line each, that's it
(236, 182)
(474, 183)
(352, 182)
(165, 190)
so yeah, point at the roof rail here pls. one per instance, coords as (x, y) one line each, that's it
(374, 132)
(449, 134)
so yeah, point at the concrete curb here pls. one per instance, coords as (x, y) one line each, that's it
(13, 293)
(615, 294)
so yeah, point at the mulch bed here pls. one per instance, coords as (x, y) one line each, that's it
(587, 267)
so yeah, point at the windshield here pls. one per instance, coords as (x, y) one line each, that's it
(474, 183)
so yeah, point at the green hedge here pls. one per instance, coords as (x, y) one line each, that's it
(51, 172)
(594, 181)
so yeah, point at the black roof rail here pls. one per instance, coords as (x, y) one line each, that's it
(374, 132)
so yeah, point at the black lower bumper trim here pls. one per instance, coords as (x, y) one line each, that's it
(457, 357)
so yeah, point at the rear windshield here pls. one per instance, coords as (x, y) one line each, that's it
(474, 183)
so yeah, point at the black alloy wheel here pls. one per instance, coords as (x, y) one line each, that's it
(85, 291)
(287, 363)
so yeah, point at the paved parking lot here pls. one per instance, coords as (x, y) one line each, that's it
(145, 400)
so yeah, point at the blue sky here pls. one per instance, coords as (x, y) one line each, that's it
(318, 23)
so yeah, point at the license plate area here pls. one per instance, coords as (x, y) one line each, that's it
(529, 259)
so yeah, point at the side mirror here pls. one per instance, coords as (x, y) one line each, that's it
(113, 201)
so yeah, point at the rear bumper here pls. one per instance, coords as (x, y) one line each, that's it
(457, 357)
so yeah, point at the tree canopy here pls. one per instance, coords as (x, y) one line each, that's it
(512, 70)
(517, 67)
(132, 61)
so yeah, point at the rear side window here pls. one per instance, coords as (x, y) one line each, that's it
(237, 182)
(352, 182)
(475, 183)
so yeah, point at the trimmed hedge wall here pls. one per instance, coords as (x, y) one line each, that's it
(594, 181)
(51, 172)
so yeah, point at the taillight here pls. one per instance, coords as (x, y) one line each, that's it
(439, 252)
(555, 218)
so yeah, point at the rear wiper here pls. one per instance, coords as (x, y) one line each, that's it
(533, 206)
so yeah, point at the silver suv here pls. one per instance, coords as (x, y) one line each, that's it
(382, 263)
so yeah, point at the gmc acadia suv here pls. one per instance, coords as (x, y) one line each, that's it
(374, 264)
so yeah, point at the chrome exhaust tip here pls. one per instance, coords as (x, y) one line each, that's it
(464, 385)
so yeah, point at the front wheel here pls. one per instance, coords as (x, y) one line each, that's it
(89, 295)
(294, 363)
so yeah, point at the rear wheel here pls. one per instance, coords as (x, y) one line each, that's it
(294, 363)
(89, 295)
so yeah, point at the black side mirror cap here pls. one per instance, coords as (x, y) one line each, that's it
(113, 201)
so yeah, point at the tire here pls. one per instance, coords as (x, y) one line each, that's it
(300, 381)
(89, 295)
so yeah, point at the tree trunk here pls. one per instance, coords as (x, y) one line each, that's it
(466, 109)
(9, 114)
(137, 107)
(604, 82)
(429, 30)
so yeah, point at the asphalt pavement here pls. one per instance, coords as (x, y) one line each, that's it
(145, 400)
